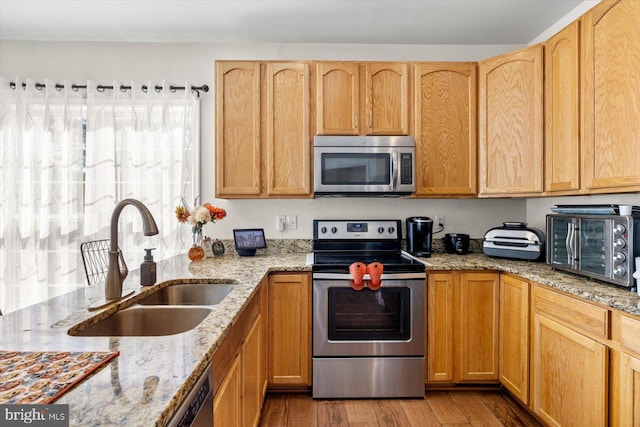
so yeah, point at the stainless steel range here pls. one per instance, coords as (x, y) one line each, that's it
(366, 343)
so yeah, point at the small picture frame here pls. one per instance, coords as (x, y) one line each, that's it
(247, 240)
(207, 246)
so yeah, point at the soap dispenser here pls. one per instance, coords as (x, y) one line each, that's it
(148, 269)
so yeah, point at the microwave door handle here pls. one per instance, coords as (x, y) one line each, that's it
(394, 169)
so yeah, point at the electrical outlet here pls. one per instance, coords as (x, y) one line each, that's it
(438, 222)
(291, 222)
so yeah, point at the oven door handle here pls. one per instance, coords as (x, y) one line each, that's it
(388, 276)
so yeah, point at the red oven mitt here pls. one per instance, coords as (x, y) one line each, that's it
(375, 273)
(357, 271)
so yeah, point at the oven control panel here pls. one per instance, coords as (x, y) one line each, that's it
(357, 230)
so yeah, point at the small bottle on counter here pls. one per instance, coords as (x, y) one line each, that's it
(148, 269)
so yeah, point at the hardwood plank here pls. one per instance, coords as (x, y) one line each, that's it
(445, 409)
(507, 410)
(419, 413)
(274, 411)
(301, 411)
(477, 413)
(331, 413)
(390, 413)
(360, 411)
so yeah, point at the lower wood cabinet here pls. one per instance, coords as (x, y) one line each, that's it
(227, 403)
(240, 368)
(514, 336)
(289, 330)
(570, 369)
(462, 327)
(629, 390)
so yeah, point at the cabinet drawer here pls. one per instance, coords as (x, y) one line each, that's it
(582, 316)
(630, 334)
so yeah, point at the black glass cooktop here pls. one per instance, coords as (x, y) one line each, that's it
(339, 262)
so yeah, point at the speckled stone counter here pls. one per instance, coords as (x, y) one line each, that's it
(145, 384)
(592, 290)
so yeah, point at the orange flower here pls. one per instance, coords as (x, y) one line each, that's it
(216, 213)
(182, 214)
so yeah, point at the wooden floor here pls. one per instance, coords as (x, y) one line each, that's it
(458, 408)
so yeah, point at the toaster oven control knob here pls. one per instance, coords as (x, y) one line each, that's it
(619, 243)
(619, 271)
(323, 230)
(619, 257)
(380, 230)
(619, 229)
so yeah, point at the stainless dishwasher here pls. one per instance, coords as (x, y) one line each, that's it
(197, 408)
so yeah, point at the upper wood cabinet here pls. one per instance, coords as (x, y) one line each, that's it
(511, 123)
(288, 131)
(611, 97)
(238, 148)
(362, 99)
(562, 113)
(263, 130)
(445, 95)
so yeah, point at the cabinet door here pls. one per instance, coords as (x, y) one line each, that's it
(253, 351)
(386, 99)
(440, 333)
(289, 329)
(562, 359)
(227, 403)
(514, 336)
(611, 96)
(477, 350)
(511, 123)
(562, 114)
(445, 128)
(238, 165)
(629, 378)
(338, 105)
(288, 138)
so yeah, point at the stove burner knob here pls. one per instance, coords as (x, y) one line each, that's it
(391, 230)
(323, 230)
(334, 230)
(380, 230)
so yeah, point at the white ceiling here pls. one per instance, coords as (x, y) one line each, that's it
(283, 21)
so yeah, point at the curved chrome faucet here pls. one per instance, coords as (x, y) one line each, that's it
(115, 276)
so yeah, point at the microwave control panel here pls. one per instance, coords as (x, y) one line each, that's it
(406, 168)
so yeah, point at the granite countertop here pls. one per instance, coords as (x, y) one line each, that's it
(149, 379)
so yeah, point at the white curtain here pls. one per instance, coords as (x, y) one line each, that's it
(41, 203)
(68, 157)
(141, 144)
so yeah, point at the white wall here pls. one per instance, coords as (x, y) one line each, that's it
(105, 62)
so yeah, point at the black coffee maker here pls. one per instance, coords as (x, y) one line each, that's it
(419, 231)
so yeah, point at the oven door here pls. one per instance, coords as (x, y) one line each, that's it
(386, 322)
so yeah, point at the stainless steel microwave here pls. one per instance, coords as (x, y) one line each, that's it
(364, 165)
(602, 247)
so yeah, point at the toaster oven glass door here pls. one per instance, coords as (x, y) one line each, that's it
(595, 246)
(562, 242)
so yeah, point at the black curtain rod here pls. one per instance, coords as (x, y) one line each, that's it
(123, 88)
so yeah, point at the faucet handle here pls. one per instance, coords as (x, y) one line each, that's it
(124, 271)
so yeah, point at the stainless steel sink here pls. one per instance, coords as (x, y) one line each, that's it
(189, 294)
(147, 321)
